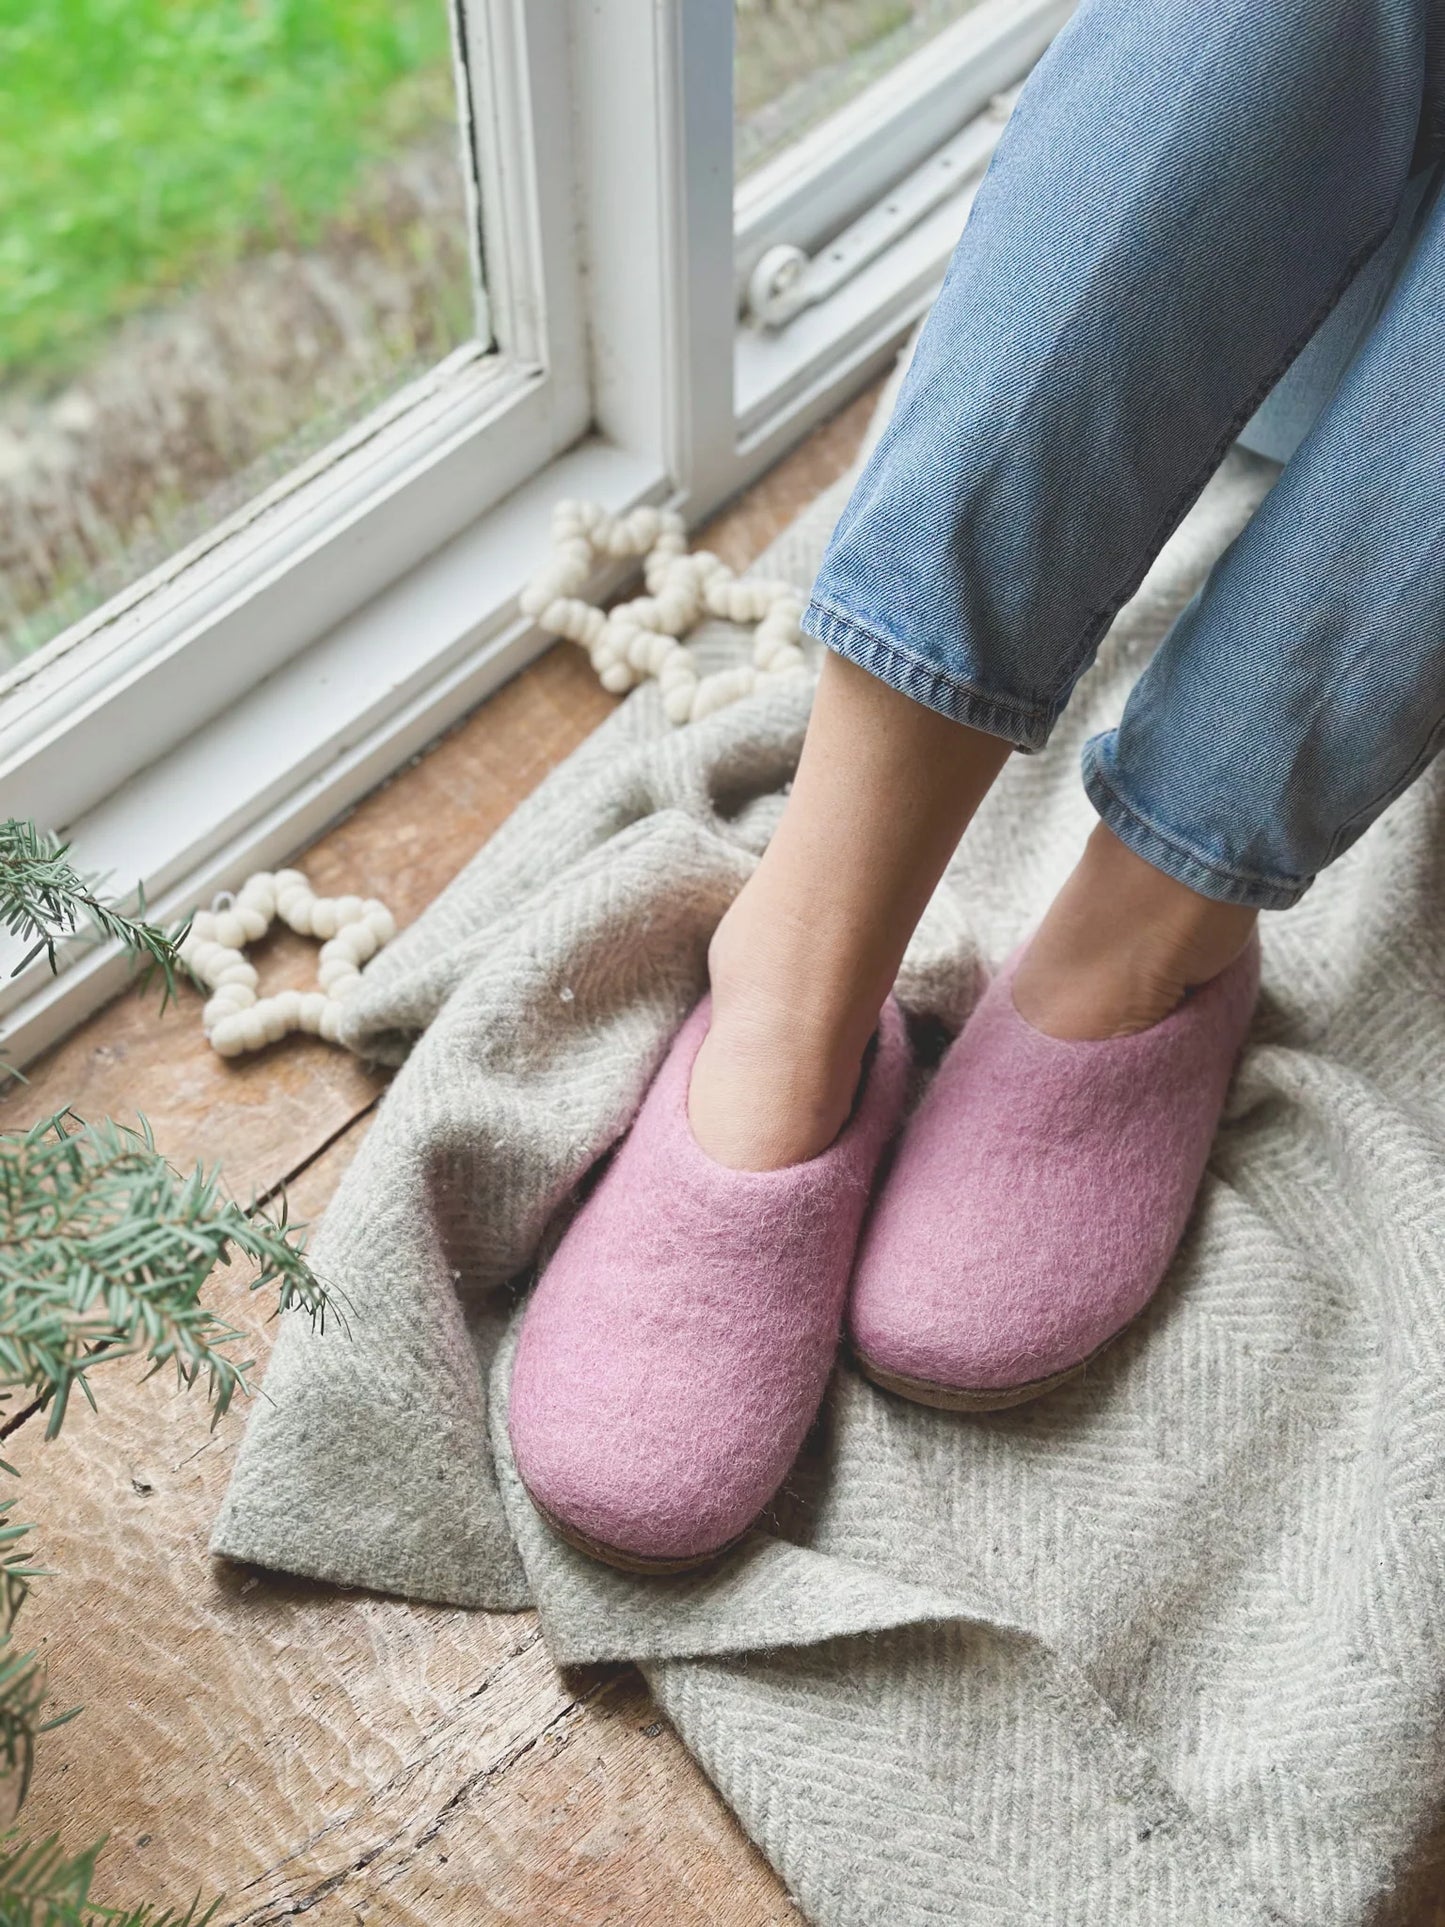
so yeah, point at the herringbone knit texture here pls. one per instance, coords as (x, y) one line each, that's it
(1164, 1648)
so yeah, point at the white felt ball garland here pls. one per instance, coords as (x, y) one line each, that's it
(643, 638)
(236, 1019)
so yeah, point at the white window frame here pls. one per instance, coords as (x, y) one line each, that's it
(215, 717)
(811, 190)
(140, 675)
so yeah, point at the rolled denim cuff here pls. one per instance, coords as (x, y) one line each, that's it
(1168, 851)
(1022, 724)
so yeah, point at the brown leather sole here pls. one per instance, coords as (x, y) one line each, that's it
(994, 1398)
(627, 1561)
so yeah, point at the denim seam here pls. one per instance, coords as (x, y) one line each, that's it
(1098, 624)
(1347, 832)
(1120, 813)
(971, 704)
(1026, 725)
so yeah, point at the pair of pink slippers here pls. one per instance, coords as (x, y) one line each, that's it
(677, 1348)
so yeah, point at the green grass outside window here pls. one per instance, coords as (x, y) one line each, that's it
(145, 142)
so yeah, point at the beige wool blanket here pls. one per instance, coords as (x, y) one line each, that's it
(1165, 1647)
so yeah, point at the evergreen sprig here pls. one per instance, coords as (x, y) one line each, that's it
(44, 900)
(23, 1692)
(41, 1886)
(104, 1251)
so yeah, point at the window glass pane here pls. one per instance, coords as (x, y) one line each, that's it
(227, 229)
(797, 61)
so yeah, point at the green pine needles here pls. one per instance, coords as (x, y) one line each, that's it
(41, 1887)
(105, 1250)
(44, 900)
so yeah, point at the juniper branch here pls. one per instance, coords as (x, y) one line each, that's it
(41, 1886)
(44, 899)
(104, 1251)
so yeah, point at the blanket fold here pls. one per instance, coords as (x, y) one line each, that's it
(1162, 1648)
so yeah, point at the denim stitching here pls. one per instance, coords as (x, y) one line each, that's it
(1283, 890)
(1025, 726)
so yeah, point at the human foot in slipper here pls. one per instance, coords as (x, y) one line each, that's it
(1038, 1194)
(677, 1347)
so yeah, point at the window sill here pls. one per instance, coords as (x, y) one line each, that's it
(260, 780)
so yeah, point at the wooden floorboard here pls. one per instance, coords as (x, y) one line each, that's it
(264, 1116)
(301, 1750)
(347, 1756)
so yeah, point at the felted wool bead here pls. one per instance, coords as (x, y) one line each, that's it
(293, 901)
(251, 1028)
(343, 944)
(235, 996)
(230, 930)
(643, 638)
(259, 893)
(221, 1006)
(235, 1019)
(238, 971)
(716, 692)
(207, 957)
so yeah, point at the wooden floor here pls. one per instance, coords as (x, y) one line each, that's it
(342, 1756)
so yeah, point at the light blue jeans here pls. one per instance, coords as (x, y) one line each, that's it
(1191, 201)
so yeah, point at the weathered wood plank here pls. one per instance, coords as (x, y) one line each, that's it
(263, 1116)
(600, 1819)
(299, 1748)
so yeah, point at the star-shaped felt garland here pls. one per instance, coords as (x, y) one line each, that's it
(644, 637)
(236, 1018)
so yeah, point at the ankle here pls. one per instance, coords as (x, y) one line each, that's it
(777, 1074)
(780, 982)
(1122, 945)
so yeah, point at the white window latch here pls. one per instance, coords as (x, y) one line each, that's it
(787, 279)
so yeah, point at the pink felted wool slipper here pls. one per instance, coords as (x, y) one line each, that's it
(678, 1345)
(1038, 1194)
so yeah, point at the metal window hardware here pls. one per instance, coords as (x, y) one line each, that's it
(787, 279)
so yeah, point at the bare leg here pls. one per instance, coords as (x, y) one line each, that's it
(803, 960)
(1121, 945)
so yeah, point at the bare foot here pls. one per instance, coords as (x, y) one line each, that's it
(1122, 945)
